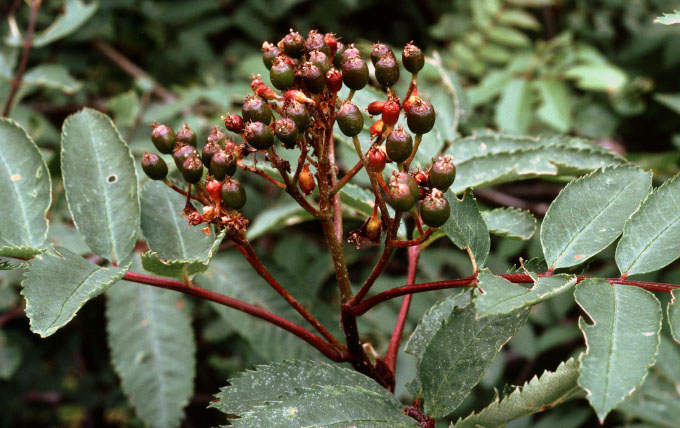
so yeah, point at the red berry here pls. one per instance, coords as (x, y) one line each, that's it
(377, 158)
(333, 80)
(332, 42)
(214, 189)
(391, 110)
(375, 108)
(233, 122)
(376, 129)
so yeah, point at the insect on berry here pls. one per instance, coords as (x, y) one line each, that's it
(154, 166)
(163, 138)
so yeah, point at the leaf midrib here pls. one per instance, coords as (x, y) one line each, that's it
(61, 309)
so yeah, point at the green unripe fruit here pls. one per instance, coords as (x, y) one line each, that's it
(420, 116)
(400, 196)
(259, 135)
(282, 74)
(347, 53)
(233, 194)
(321, 60)
(387, 71)
(222, 164)
(192, 169)
(286, 131)
(293, 44)
(209, 150)
(154, 166)
(315, 42)
(407, 179)
(350, 120)
(298, 112)
(255, 109)
(435, 209)
(186, 135)
(355, 73)
(313, 79)
(399, 145)
(182, 152)
(442, 173)
(379, 51)
(163, 138)
(269, 52)
(412, 58)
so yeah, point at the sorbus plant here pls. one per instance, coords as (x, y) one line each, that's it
(290, 135)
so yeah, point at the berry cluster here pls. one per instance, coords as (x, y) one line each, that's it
(300, 111)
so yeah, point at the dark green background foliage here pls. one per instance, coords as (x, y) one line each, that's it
(595, 69)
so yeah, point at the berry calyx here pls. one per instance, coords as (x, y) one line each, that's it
(321, 60)
(442, 173)
(420, 116)
(412, 58)
(315, 42)
(390, 112)
(281, 74)
(192, 169)
(377, 159)
(255, 109)
(269, 52)
(182, 152)
(163, 138)
(333, 80)
(350, 120)
(154, 166)
(233, 194)
(387, 71)
(355, 73)
(312, 77)
(399, 145)
(293, 44)
(286, 131)
(259, 135)
(349, 52)
(298, 112)
(209, 150)
(234, 123)
(217, 136)
(435, 209)
(223, 164)
(186, 135)
(379, 50)
(306, 180)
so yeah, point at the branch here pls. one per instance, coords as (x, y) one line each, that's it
(325, 348)
(419, 240)
(28, 43)
(345, 178)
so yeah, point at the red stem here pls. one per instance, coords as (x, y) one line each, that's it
(324, 347)
(413, 242)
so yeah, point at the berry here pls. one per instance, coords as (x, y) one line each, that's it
(233, 194)
(399, 145)
(355, 73)
(154, 166)
(315, 42)
(306, 180)
(390, 111)
(376, 158)
(214, 189)
(269, 52)
(376, 129)
(412, 58)
(435, 209)
(332, 42)
(422, 178)
(259, 135)
(233, 122)
(293, 44)
(298, 112)
(222, 164)
(217, 136)
(347, 53)
(375, 108)
(182, 152)
(312, 77)
(442, 173)
(405, 178)
(379, 51)
(350, 120)
(286, 131)
(333, 80)
(337, 57)
(387, 71)
(186, 135)
(420, 116)
(281, 74)
(192, 169)
(401, 194)
(373, 227)
(163, 137)
(321, 60)
(255, 109)
(209, 150)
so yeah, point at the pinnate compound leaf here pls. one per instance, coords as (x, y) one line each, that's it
(100, 181)
(459, 353)
(496, 295)
(510, 223)
(651, 237)
(674, 315)
(57, 285)
(622, 342)
(152, 350)
(590, 213)
(466, 228)
(26, 192)
(329, 407)
(267, 383)
(534, 396)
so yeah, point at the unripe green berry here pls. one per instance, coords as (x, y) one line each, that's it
(259, 135)
(233, 194)
(420, 116)
(163, 138)
(379, 50)
(281, 74)
(222, 164)
(298, 112)
(209, 150)
(255, 109)
(350, 120)
(387, 71)
(286, 131)
(347, 53)
(269, 52)
(442, 173)
(182, 152)
(435, 209)
(399, 145)
(406, 178)
(293, 44)
(315, 42)
(355, 73)
(412, 58)
(186, 135)
(192, 169)
(321, 60)
(313, 79)
(154, 166)
(401, 192)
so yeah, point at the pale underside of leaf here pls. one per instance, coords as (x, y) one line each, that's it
(510, 223)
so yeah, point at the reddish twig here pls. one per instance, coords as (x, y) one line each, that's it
(417, 241)
(345, 178)
(184, 192)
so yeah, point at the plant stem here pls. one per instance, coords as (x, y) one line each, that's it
(325, 348)
(184, 192)
(416, 144)
(27, 44)
(345, 178)
(417, 241)
(374, 183)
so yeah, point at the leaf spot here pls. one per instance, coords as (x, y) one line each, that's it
(579, 256)
(15, 177)
(112, 178)
(603, 230)
(483, 146)
(180, 304)
(293, 411)
(649, 333)
(144, 323)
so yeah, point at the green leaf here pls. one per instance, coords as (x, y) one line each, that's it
(276, 217)
(488, 88)
(519, 18)
(54, 76)
(672, 101)
(459, 353)
(537, 395)
(102, 192)
(26, 194)
(656, 402)
(10, 357)
(178, 249)
(496, 295)
(651, 237)
(555, 109)
(597, 77)
(329, 407)
(674, 315)
(515, 108)
(590, 212)
(668, 18)
(13, 264)
(57, 285)
(152, 350)
(510, 223)
(508, 36)
(357, 198)
(267, 383)
(125, 108)
(466, 228)
(76, 13)
(621, 343)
